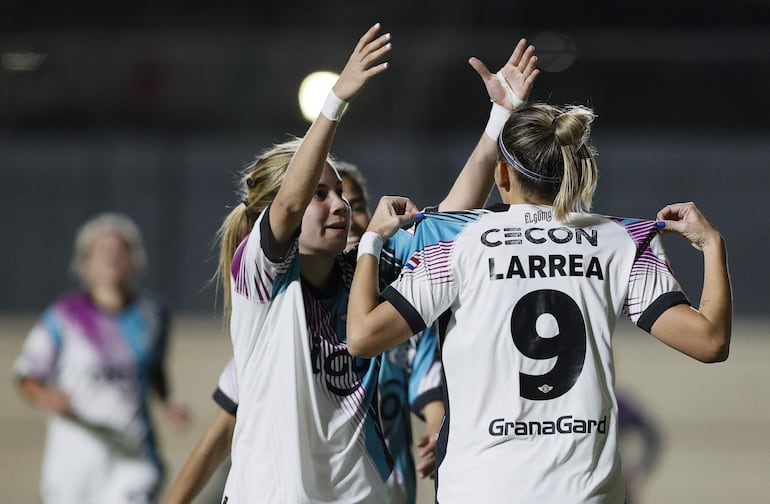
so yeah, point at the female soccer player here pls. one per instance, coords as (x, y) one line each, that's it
(90, 361)
(534, 290)
(409, 377)
(308, 425)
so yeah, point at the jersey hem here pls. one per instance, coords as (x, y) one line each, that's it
(656, 309)
(406, 310)
(224, 402)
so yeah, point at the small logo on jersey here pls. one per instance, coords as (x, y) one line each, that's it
(545, 388)
(412, 263)
(539, 216)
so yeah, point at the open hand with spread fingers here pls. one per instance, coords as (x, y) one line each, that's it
(511, 85)
(363, 63)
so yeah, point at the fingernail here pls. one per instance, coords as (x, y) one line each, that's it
(660, 224)
(420, 216)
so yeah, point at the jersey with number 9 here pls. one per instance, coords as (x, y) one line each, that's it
(529, 306)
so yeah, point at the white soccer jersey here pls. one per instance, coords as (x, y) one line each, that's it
(531, 414)
(410, 376)
(105, 363)
(307, 432)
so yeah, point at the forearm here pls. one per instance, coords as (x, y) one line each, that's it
(716, 297)
(473, 184)
(302, 175)
(33, 391)
(434, 416)
(363, 299)
(208, 453)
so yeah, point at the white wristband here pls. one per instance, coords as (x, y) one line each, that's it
(497, 118)
(333, 107)
(371, 243)
(515, 100)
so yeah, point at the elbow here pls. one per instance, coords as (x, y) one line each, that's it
(357, 344)
(718, 350)
(360, 349)
(718, 355)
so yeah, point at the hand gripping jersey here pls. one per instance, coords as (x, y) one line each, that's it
(105, 363)
(526, 347)
(318, 425)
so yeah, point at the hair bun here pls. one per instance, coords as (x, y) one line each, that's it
(572, 126)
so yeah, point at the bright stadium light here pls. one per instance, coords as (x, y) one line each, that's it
(313, 91)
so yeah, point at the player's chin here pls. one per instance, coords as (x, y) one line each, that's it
(335, 240)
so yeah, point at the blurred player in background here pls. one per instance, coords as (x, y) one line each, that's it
(90, 362)
(639, 442)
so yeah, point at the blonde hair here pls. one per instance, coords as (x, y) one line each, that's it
(258, 184)
(551, 147)
(117, 223)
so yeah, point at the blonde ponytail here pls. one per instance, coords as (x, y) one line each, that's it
(571, 130)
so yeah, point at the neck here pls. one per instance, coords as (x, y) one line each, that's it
(515, 196)
(316, 269)
(109, 298)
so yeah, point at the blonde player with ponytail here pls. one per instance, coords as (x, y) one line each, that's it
(533, 290)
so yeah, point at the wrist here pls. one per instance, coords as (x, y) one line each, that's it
(370, 243)
(334, 107)
(713, 241)
(498, 116)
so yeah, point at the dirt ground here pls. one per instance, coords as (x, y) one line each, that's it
(715, 419)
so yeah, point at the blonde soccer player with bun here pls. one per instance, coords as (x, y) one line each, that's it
(533, 289)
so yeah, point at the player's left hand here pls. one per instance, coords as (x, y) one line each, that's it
(519, 71)
(687, 220)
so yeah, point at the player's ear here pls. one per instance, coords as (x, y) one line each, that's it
(502, 177)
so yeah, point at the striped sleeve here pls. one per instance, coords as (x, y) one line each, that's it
(254, 268)
(652, 287)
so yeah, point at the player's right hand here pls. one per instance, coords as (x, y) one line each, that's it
(362, 64)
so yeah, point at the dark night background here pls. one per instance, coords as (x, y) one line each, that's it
(150, 108)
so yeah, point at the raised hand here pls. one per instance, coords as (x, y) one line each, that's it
(362, 64)
(687, 220)
(519, 71)
(392, 213)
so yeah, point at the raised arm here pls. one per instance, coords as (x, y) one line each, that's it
(508, 89)
(703, 334)
(306, 166)
(372, 328)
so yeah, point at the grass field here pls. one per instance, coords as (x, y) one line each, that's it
(715, 419)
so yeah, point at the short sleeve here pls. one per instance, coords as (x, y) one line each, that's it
(254, 267)
(40, 350)
(426, 286)
(652, 288)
